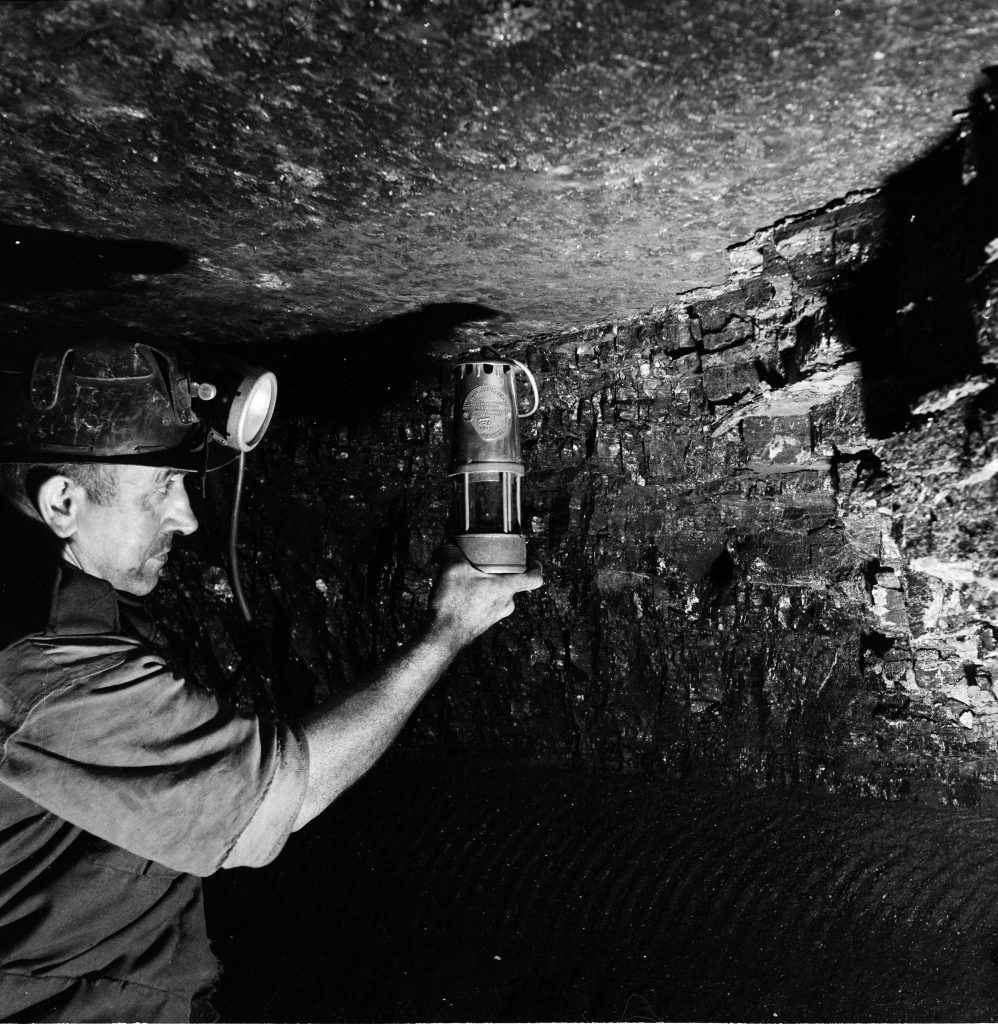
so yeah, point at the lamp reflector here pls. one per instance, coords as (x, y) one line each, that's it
(251, 410)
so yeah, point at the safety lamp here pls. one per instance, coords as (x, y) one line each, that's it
(236, 401)
(486, 464)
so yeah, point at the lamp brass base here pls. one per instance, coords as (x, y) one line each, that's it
(494, 552)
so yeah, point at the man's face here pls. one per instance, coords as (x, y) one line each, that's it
(127, 541)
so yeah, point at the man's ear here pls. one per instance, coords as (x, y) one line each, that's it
(59, 505)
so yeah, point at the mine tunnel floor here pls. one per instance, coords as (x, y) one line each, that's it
(518, 893)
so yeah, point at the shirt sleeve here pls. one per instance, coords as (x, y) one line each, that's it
(108, 738)
(268, 830)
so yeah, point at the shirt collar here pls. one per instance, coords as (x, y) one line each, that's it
(83, 604)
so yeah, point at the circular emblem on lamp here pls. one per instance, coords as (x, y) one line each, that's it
(488, 410)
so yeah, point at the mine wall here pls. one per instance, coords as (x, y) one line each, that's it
(737, 759)
(766, 514)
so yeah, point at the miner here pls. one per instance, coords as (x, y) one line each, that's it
(121, 783)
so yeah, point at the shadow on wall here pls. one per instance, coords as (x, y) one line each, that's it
(337, 376)
(908, 310)
(350, 376)
(39, 260)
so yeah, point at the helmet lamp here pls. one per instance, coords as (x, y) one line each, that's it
(240, 410)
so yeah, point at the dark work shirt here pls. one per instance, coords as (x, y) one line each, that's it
(120, 784)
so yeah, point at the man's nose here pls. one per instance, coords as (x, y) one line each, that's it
(182, 518)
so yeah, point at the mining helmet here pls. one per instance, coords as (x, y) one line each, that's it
(129, 401)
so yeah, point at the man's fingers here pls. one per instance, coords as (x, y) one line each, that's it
(451, 555)
(531, 579)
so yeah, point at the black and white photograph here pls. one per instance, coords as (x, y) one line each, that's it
(498, 511)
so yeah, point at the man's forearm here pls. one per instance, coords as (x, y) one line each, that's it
(347, 735)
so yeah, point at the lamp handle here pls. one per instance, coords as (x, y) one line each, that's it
(533, 384)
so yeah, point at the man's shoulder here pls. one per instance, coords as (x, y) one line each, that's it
(51, 649)
(44, 664)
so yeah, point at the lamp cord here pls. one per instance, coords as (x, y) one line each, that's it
(237, 585)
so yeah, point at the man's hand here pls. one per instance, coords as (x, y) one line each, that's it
(465, 601)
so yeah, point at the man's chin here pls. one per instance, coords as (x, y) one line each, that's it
(138, 581)
(139, 589)
(142, 583)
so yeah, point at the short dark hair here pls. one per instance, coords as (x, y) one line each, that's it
(20, 481)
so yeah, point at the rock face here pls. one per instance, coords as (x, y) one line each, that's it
(766, 511)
